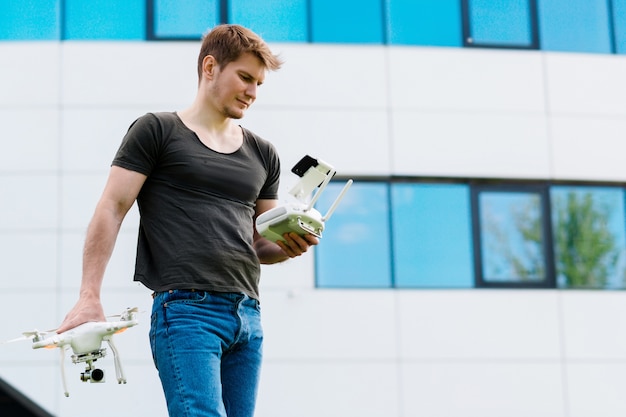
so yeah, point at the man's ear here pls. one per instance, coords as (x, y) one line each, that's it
(209, 65)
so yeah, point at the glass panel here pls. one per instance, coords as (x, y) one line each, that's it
(189, 19)
(274, 20)
(105, 19)
(348, 21)
(574, 26)
(29, 20)
(425, 22)
(500, 22)
(354, 250)
(589, 236)
(619, 27)
(431, 227)
(511, 234)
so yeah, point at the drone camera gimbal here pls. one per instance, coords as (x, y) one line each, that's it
(91, 374)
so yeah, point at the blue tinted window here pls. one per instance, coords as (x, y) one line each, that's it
(105, 19)
(29, 20)
(425, 22)
(432, 236)
(354, 251)
(619, 25)
(348, 21)
(589, 236)
(274, 20)
(500, 23)
(574, 26)
(189, 19)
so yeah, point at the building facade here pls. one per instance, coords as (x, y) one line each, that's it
(448, 115)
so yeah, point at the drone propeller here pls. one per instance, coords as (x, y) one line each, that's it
(126, 315)
(18, 339)
(28, 336)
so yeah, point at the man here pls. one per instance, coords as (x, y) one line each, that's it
(199, 180)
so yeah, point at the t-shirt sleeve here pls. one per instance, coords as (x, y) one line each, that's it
(269, 191)
(140, 147)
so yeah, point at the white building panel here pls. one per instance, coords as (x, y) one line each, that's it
(129, 73)
(328, 388)
(332, 325)
(596, 389)
(586, 84)
(29, 261)
(29, 202)
(482, 389)
(30, 74)
(479, 324)
(467, 144)
(30, 139)
(589, 147)
(79, 196)
(328, 76)
(593, 325)
(466, 79)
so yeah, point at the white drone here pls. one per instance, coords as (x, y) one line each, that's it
(86, 343)
(300, 216)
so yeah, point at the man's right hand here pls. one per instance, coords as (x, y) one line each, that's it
(85, 310)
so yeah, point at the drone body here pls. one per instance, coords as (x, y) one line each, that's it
(85, 338)
(86, 343)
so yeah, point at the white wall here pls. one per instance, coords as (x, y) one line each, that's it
(64, 108)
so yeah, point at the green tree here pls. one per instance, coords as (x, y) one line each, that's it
(585, 248)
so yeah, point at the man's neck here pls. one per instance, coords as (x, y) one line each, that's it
(214, 131)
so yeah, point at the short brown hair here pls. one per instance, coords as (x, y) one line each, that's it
(227, 42)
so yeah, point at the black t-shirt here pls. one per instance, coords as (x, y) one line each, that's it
(197, 206)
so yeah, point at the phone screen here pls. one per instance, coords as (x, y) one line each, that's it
(303, 165)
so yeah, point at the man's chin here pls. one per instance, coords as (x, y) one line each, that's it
(235, 114)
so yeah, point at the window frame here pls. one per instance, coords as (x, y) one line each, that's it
(469, 42)
(151, 35)
(543, 190)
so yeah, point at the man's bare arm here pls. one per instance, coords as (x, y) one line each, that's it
(119, 194)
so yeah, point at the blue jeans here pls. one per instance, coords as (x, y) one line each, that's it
(207, 348)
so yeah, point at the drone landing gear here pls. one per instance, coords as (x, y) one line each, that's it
(93, 374)
(119, 372)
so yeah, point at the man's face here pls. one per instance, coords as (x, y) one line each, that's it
(233, 88)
